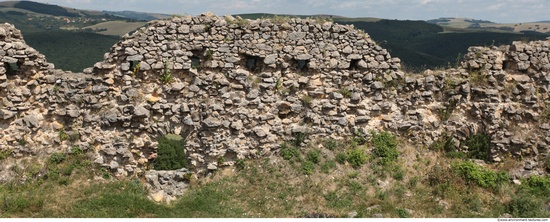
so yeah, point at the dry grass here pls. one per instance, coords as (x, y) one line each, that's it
(421, 183)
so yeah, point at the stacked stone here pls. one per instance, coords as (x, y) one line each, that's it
(530, 57)
(227, 42)
(16, 55)
(246, 95)
(237, 88)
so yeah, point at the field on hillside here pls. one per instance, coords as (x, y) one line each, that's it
(532, 26)
(118, 28)
(472, 25)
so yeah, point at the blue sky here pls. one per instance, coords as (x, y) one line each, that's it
(502, 11)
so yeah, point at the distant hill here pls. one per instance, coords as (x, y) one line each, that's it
(143, 16)
(334, 18)
(473, 25)
(422, 45)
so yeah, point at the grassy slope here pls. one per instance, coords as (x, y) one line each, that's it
(301, 181)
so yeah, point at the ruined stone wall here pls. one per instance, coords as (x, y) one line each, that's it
(238, 88)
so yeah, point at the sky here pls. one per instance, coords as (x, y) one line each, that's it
(500, 11)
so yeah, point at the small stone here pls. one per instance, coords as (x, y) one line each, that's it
(253, 94)
(261, 131)
(178, 86)
(6, 114)
(337, 96)
(377, 85)
(212, 122)
(237, 125)
(529, 165)
(31, 121)
(158, 196)
(113, 165)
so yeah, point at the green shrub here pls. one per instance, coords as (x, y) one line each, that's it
(75, 150)
(357, 157)
(166, 76)
(74, 136)
(57, 158)
(444, 143)
(63, 135)
(359, 138)
(307, 100)
(537, 185)
(67, 170)
(299, 138)
(473, 173)
(314, 156)
(331, 144)
(170, 155)
(526, 206)
(308, 167)
(345, 92)
(478, 146)
(398, 173)
(385, 147)
(22, 142)
(240, 164)
(5, 153)
(402, 213)
(289, 152)
(327, 166)
(342, 157)
(456, 155)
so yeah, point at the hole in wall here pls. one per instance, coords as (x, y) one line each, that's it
(134, 65)
(353, 65)
(253, 63)
(301, 65)
(195, 62)
(11, 67)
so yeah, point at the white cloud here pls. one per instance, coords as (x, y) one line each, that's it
(427, 1)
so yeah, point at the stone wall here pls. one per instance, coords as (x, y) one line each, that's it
(238, 88)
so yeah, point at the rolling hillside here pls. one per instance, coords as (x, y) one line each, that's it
(422, 45)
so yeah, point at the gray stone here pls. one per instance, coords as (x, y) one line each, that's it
(237, 125)
(141, 111)
(377, 85)
(270, 59)
(253, 94)
(212, 122)
(99, 89)
(6, 114)
(31, 121)
(111, 116)
(293, 36)
(261, 131)
(337, 96)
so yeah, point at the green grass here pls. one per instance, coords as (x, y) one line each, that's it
(314, 183)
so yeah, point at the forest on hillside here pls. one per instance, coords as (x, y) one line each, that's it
(421, 45)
